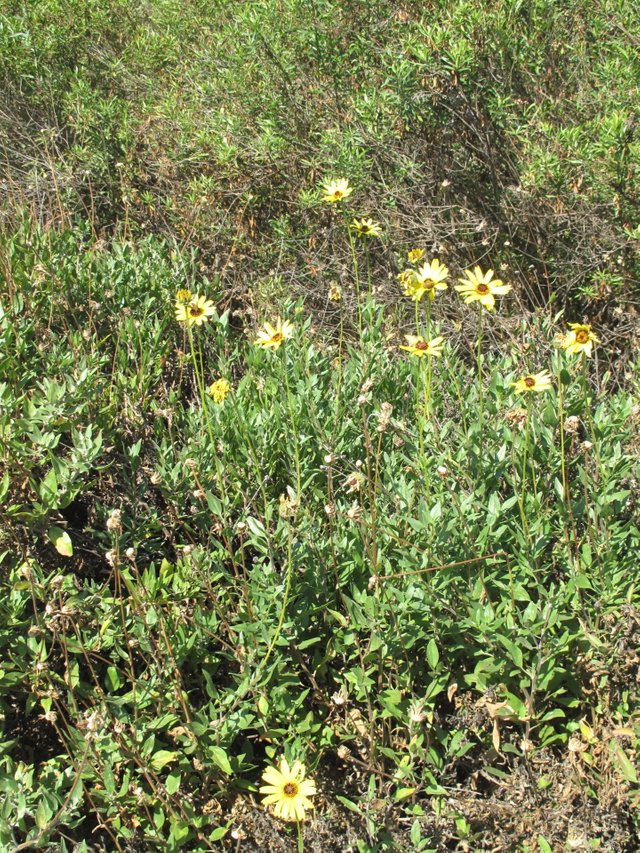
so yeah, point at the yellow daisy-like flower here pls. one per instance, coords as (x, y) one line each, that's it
(288, 791)
(335, 293)
(419, 347)
(184, 295)
(366, 228)
(219, 390)
(580, 339)
(536, 382)
(196, 312)
(415, 255)
(430, 278)
(481, 287)
(273, 336)
(335, 191)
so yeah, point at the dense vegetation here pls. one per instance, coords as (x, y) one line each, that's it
(402, 569)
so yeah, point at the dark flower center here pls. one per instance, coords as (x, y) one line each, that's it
(277, 337)
(482, 288)
(582, 336)
(529, 381)
(290, 789)
(195, 310)
(422, 345)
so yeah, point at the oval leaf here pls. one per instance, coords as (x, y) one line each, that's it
(61, 541)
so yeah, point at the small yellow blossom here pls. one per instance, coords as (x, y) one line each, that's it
(219, 390)
(337, 190)
(335, 293)
(184, 295)
(273, 336)
(419, 347)
(536, 382)
(366, 228)
(415, 255)
(481, 287)
(580, 339)
(196, 312)
(288, 791)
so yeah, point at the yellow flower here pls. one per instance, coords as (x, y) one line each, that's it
(415, 255)
(430, 278)
(418, 346)
(335, 293)
(580, 339)
(288, 791)
(537, 382)
(196, 312)
(184, 295)
(407, 279)
(481, 287)
(335, 191)
(273, 336)
(219, 390)
(366, 228)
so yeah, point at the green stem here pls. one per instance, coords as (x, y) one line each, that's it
(479, 366)
(285, 603)
(198, 369)
(523, 477)
(296, 442)
(356, 273)
(368, 264)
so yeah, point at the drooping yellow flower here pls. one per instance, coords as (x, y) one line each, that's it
(415, 255)
(337, 190)
(184, 295)
(288, 791)
(196, 312)
(219, 390)
(419, 347)
(481, 287)
(580, 339)
(273, 336)
(366, 228)
(407, 279)
(536, 382)
(335, 293)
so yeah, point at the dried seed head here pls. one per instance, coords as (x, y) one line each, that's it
(572, 424)
(330, 510)
(386, 410)
(114, 522)
(355, 512)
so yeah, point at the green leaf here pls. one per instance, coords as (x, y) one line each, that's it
(219, 757)
(433, 655)
(214, 504)
(161, 758)
(61, 541)
(403, 793)
(218, 833)
(348, 804)
(544, 845)
(624, 765)
(172, 782)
